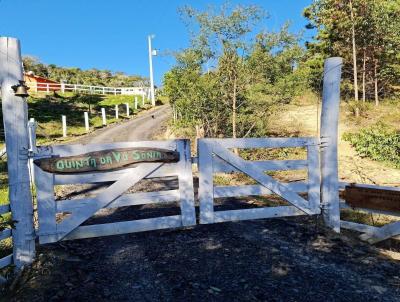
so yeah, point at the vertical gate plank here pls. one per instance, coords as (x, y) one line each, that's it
(46, 206)
(185, 179)
(314, 179)
(206, 187)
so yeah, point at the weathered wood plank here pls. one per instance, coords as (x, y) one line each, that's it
(205, 166)
(134, 199)
(251, 143)
(5, 234)
(385, 232)
(329, 138)
(362, 228)
(106, 197)
(125, 227)
(268, 165)
(257, 174)
(373, 198)
(15, 119)
(46, 206)
(248, 190)
(65, 179)
(343, 205)
(314, 177)
(256, 213)
(106, 160)
(185, 181)
(5, 209)
(5, 261)
(342, 185)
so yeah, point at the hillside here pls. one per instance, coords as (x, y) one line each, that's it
(302, 117)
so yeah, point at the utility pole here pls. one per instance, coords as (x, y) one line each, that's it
(151, 54)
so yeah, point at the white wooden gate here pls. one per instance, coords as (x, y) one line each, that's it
(215, 156)
(77, 211)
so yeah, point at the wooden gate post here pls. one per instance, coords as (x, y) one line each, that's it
(15, 117)
(329, 141)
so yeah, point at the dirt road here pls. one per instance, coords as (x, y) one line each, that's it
(262, 260)
(141, 128)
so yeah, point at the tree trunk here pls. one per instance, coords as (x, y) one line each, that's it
(363, 76)
(353, 39)
(234, 112)
(376, 82)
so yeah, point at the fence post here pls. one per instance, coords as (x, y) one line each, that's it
(329, 141)
(32, 147)
(86, 116)
(64, 125)
(143, 98)
(15, 118)
(136, 101)
(103, 115)
(47, 88)
(143, 102)
(62, 87)
(127, 109)
(116, 112)
(104, 90)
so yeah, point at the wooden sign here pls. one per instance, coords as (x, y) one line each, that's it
(106, 160)
(375, 199)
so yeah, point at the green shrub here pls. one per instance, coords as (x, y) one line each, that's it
(378, 142)
(361, 107)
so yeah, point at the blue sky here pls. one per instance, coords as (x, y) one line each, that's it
(113, 34)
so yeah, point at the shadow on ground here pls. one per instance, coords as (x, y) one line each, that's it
(264, 260)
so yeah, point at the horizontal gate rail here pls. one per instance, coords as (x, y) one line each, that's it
(257, 213)
(5, 234)
(372, 234)
(5, 209)
(6, 261)
(215, 157)
(134, 199)
(165, 170)
(248, 190)
(268, 165)
(273, 142)
(124, 227)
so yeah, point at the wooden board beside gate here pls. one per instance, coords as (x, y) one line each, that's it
(106, 160)
(371, 198)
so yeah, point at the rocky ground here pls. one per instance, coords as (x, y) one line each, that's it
(263, 260)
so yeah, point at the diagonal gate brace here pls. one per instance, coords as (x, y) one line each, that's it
(106, 197)
(251, 169)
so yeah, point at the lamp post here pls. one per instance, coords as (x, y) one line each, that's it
(151, 54)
